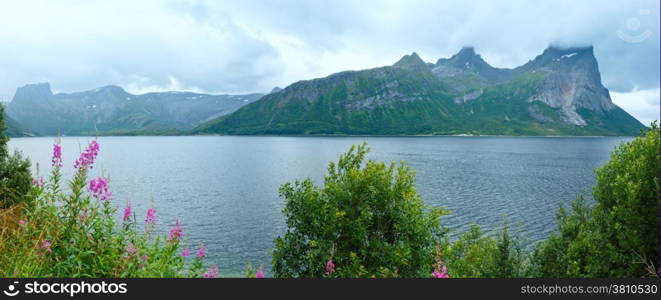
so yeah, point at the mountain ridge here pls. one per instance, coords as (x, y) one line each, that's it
(112, 110)
(15, 129)
(559, 92)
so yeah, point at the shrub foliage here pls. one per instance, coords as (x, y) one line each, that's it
(367, 221)
(15, 176)
(619, 236)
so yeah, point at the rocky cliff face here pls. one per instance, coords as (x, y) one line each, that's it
(557, 93)
(110, 109)
(573, 82)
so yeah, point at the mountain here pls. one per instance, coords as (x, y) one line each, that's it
(14, 129)
(559, 92)
(111, 110)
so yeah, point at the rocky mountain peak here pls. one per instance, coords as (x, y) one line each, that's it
(556, 57)
(110, 89)
(412, 62)
(574, 82)
(466, 58)
(36, 91)
(467, 61)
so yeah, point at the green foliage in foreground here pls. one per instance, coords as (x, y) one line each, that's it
(73, 234)
(369, 222)
(476, 255)
(367, 219)
(15, 176)
(619, 236)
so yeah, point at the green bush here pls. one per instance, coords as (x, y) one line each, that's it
(366, 221)
(619, 236)
(476, 255)
(73, 233)
(15, 176)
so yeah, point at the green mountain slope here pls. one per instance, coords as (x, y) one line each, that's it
(14, 129)
(557, 93)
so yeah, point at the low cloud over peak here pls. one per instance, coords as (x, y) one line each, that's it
(252, 46)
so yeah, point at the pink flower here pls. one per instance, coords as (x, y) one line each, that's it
(99, 189)
(151, 216)
(88, 156)
(202, 252)
(260, 274)
(45, 244)
(330, 267)
(131, 250)
(21, 222)
(57, 156)
(185, 252)
(127, 213)
(39, 182)
(442, 274)
(211, 273)
(175, 233)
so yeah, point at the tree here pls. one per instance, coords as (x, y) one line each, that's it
(366, 221)
(509, 257)
(476, 255)
(4, 152)
(15, 176)
(619, 236)
(15, 180)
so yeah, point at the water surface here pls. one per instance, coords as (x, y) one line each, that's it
(224, 189)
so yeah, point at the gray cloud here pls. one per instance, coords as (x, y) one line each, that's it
(250, 45)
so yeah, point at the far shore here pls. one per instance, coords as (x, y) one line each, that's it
(335, 135)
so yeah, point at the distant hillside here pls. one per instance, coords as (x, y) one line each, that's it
(111, 110)
(557, 93)
(14, 129)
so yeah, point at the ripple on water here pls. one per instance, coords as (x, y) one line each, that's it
(225, 189)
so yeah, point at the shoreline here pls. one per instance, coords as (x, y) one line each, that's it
(338, 135)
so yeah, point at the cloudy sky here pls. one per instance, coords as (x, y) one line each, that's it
(252, 46)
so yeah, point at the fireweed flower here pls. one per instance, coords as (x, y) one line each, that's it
(57, 156)
(99, 189)
(202, 252)
(260, 274)
(45, 244)
(175, 233)
(127, 213)
(88, 156)
(151, 216)
(39, 182)
(442, 274)
(211, 273)
(185, 252)
(131, 250)
(330, 267)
